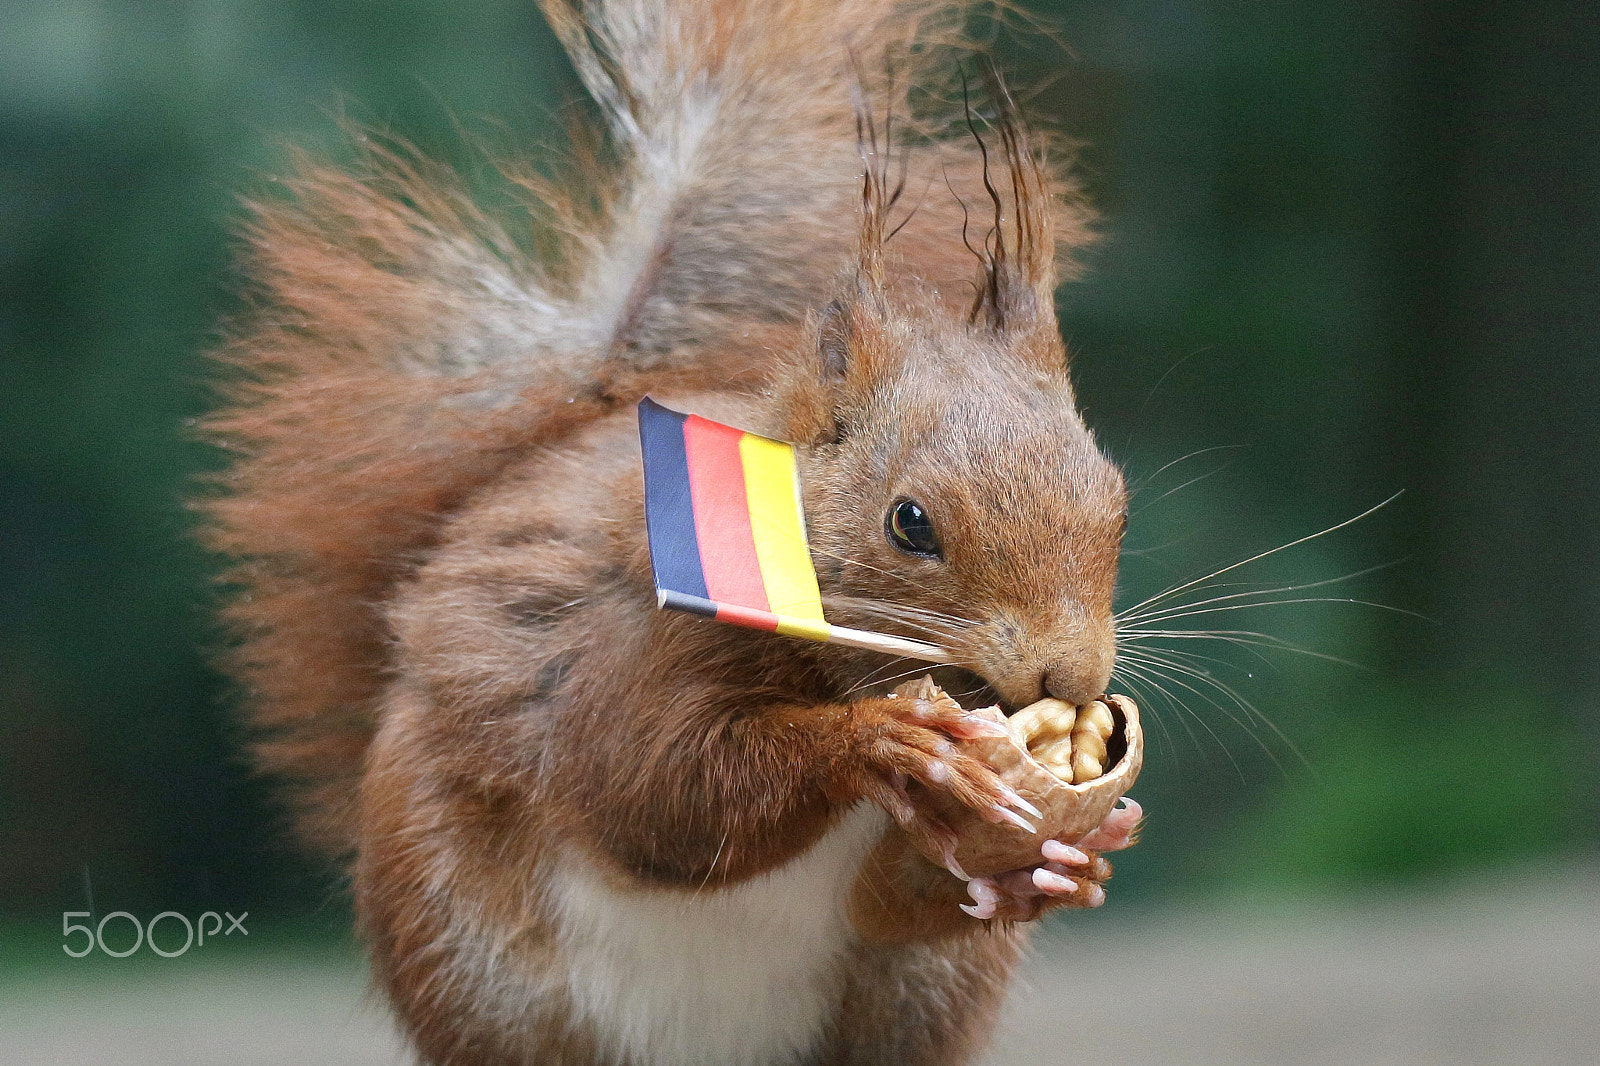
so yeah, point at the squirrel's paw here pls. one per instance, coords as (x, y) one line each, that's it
(910, 738)
(1070, 876)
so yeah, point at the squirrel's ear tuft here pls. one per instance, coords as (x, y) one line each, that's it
(1017, 278)
(878, 197)
(845, 323)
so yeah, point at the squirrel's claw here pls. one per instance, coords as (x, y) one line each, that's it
(1001, 813)
(1119, 830)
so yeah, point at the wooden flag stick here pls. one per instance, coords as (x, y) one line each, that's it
(913, 649)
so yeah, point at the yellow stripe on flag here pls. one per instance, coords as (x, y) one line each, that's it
(772, 487)
(809, 628)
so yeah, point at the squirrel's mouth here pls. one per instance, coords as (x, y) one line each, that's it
(963, 684)
(971, 689)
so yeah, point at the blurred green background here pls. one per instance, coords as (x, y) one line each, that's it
(1351, 252)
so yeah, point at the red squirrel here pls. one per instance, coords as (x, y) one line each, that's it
(580, 830)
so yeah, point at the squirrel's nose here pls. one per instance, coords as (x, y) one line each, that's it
(1071, 686)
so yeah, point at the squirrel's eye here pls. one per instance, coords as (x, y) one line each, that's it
(908, 528)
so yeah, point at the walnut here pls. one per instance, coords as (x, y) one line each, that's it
(1073, 763)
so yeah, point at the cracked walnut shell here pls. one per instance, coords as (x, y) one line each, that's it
(1073, 763)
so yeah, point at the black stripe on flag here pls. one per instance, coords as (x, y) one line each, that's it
(669, 509)
(677, 601)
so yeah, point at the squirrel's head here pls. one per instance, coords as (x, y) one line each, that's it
(953, 491)
(954, 494)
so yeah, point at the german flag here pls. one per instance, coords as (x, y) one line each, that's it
(727, 531)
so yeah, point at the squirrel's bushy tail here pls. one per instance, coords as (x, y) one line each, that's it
(403, 346)
(734, 123)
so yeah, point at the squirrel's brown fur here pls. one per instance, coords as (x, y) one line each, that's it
(447, 627)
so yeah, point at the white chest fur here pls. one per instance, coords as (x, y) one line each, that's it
(747, 974)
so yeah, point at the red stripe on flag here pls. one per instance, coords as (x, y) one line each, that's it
(722, 519)
(745, 616)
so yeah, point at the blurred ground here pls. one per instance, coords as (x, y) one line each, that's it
(1503, 971)
(283, 1012)
(1499, 971)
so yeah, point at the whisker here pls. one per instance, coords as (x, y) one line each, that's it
(1197, 656)
(1253, 650)
(1147, 657)
(1180, 613)
(870, 681)
(940, 630)
(1241, 638)
(905, 610)
(916, 627)
(1182, 459)
(1153, 659)
(1167, 670)
(1271, 551)
(1168, 546)
(1171, 669)
(1141, 687)
(1149, 700)
(1134, 614)
(1141, 611)
(1192, 481)
(849, 561)
(1183, 706)
(1161, 381)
